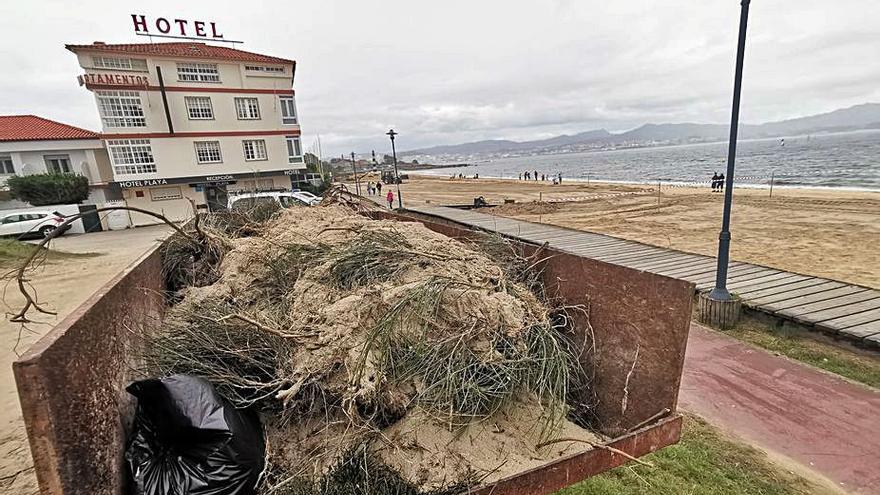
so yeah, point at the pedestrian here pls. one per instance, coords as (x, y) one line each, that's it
(379, 187)
(390, 198)
(543, 178)
(721, 182)
(536, 175)
(528, 175)
(714, 181)
(560, 177)
(520, 176)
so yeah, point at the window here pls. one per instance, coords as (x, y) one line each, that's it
(132, 156)
(121, 109)
(288, 110)
(247, 108)
(6, 166)
(294, 151)
(117, 63)
(199, 107)
(165, 193)
(208, 152)
(57, 164)
(267, 70)
(254, 150)
(198, 73)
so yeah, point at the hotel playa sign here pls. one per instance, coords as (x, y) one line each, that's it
(166, 27)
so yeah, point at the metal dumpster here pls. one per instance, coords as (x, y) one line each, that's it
(71, 383)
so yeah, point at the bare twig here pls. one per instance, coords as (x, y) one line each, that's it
(658, 415)
(597, 446)
(30, 296)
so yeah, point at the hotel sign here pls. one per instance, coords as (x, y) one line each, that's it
(113, 79)
(166, 27)
(200, 179)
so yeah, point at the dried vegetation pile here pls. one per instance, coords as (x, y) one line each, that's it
(380, 354)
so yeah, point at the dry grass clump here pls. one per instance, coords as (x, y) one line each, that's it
(340, 328)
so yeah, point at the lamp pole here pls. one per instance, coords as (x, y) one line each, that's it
(720, 292)
(357, 182)
(391, 134)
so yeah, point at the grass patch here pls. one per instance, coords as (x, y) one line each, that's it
(703, 462)
(851, 364)
(13, 251)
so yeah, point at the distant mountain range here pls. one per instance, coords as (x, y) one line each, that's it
(864, 116)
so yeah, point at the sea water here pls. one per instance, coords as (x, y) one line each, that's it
(843, 160)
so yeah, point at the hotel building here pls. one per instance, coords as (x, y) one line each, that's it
(187, 120)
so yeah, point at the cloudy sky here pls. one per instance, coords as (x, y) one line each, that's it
(450, 71)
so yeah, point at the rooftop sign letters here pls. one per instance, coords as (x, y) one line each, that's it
(176, 28)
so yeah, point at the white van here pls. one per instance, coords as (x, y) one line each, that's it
(247, 200)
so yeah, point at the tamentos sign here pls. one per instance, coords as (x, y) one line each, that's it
(184, 28)
(113, 79)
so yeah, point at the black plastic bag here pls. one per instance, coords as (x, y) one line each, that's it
(188, 440)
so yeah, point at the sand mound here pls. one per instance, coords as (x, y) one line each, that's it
(350, 333)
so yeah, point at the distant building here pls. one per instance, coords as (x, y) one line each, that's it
(33, 145)
(186, 120)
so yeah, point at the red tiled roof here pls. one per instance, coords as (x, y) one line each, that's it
(33, 128)
(186, 49)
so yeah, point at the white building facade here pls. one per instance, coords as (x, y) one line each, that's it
(188, 121)
(34, 145)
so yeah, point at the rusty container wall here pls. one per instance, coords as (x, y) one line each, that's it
(639, 322)
(71, 384)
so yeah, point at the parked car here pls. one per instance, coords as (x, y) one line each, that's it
(246, 201)
(307, 197)
(26, 224)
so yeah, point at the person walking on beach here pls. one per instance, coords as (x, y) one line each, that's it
(526, 175)
(714, 181)
(536, 175)
(390, 199)
(379, 187)
(520, 176)
(560, 177)
(721, 182)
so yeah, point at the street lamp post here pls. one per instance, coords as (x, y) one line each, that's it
(357, 182)
(720, 292)
(391, 134)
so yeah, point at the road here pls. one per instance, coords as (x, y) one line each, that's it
(804, 418)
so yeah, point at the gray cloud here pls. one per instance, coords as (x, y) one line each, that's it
(445, 72)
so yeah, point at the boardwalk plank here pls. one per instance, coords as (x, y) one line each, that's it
(853, 320)
(848, 307)
(732, 278)
(683, 261)
(816, 297)
(709, 266)
(864, 330)
(765, 280)
(739, 270)
(822, 286)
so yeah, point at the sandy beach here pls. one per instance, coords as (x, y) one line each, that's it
(822, 232)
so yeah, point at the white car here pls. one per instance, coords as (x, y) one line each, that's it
(307, 197)
(245, 201)
(31, 224)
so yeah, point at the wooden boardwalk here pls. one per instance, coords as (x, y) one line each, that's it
(853, 311)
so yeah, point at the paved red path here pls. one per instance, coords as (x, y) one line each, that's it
(823, 422)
